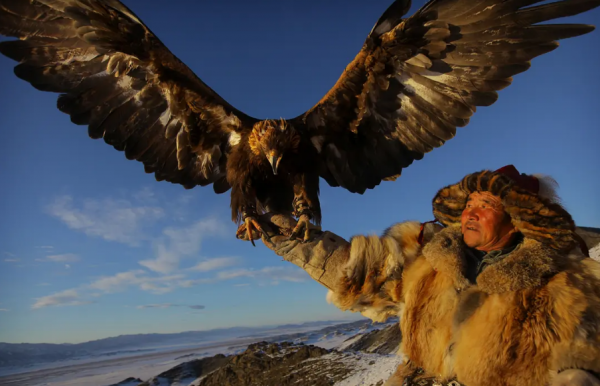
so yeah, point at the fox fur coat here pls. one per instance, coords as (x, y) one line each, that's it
(533, 314)
(524, 319)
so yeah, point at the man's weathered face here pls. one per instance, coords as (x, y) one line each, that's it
(485, 224)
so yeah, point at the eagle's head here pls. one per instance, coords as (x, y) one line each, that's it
(273, 139)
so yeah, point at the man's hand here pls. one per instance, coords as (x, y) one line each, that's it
(575, 377)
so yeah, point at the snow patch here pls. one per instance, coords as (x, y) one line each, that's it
(370, 369)
(197, 381)
(349, 342)
(184, 382)
(595, 253)
(342, 338)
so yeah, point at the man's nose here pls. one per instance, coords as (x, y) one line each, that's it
(473, 214)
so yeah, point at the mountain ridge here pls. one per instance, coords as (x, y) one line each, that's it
(22, 354)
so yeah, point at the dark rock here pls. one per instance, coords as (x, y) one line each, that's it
(591, 236)
(278, 365)
(128, 382)
(384, 341)
(192, 369)
(286, 363)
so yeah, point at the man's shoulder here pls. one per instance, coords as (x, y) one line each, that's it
(409, 232)
(411, 236)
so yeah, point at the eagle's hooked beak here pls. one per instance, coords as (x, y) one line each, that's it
(274, 161)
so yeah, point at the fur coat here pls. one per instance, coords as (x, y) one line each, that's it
(521, 321)
(526, 318)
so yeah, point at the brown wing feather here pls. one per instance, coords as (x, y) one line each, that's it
(118, 78)
(416, 80)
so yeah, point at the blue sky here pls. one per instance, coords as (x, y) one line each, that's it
(91, 246)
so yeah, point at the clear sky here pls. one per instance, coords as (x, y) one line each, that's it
(91, 246)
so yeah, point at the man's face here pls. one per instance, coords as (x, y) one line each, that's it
(485, 225)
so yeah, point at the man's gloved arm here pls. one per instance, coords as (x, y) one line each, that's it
(322, 257)
(363, 275)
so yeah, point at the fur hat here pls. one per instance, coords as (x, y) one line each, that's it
(530, 201)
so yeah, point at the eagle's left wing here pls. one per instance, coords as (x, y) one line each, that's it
(119, 79)
(417, 79)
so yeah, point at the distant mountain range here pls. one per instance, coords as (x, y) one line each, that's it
(24, 354)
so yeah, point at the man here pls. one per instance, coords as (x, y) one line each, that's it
(502, 295)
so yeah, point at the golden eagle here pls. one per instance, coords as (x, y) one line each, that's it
(414, 81)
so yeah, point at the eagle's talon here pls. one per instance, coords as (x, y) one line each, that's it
(303, 224)
(248, 230)
(257, 226)
(249, 224)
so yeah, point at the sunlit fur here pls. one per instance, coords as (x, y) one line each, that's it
(519, 321)
(526, 318)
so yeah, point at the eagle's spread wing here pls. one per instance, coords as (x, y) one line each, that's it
(417, 79)
(116, 77)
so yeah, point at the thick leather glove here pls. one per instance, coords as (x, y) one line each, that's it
(322, 257)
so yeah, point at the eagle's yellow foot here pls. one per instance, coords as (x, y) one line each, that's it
(304, 224)
(250, 230)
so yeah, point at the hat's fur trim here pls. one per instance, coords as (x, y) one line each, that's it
(548, 188)
(536, 217)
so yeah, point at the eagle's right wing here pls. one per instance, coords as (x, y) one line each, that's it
(118, 78)
(417, 79)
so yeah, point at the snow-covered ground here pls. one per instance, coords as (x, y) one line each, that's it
(107, 372)
(110, 371)
(595, 253)
(341, 339)
(371, 369)
(366, 369)
(102, 373)
(33, 357)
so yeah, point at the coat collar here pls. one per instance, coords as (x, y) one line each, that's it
(526, 267)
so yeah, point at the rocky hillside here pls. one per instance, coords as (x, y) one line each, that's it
(367, 359)
(275, 365)
(381, 341)
(188, 372)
